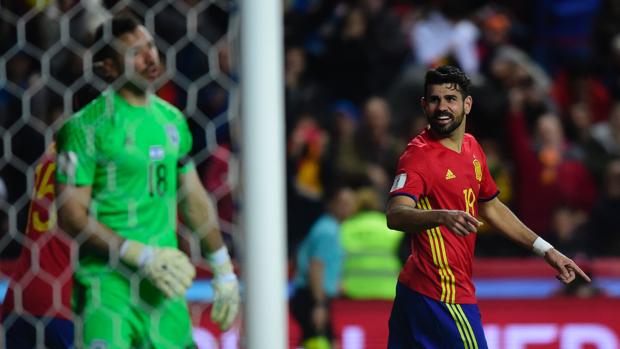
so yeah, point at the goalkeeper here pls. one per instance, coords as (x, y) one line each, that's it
(123, 166)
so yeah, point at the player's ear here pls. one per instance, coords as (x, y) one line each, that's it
(423, 103)
(107, 69)
(467, 103)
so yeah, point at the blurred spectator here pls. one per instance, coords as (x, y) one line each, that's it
(605, 217)
(371, 262)
(608, 66)
(581, 132)
(577, 83)
(563, 30)
(341, 157)
(347, 60)
(366, 153)
(509, 68)
(302, 91)
(606, 30)
(490, 243)
(377, 148)
(386, 45)
(444, 36)
(495, 26)
(607, 133)
(546, 170)
(319, 264)
(568, 233)
(499, 168)
(306, 146)
(514, 68)
(310, 23)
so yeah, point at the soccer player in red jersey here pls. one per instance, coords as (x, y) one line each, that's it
(442, 185)
(39, 295)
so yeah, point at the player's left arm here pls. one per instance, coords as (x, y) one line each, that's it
(199, 214)
(198, 211)
(500, 216)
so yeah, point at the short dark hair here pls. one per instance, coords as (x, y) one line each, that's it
(447, 74)
(120, 24)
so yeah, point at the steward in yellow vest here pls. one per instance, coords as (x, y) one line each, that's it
(371, 262)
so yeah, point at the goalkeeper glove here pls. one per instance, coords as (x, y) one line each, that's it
(167, 268)
(226, 288)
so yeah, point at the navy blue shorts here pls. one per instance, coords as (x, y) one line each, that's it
(418, 321)
(21, 332)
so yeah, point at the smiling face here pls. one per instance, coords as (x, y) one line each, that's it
(445, 108)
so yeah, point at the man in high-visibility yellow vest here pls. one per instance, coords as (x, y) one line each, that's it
(371, 263)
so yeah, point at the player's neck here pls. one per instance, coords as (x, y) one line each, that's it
(134, 97)
(453, 141)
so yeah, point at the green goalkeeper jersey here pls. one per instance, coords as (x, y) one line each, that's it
(130, 156)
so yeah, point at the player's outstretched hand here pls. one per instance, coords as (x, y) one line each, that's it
(567, 269)
(459, 222)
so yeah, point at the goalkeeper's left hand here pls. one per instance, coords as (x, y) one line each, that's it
(226, 287)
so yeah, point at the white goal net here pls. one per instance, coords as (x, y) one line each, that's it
(46, 75)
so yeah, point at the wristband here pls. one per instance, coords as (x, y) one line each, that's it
(220, 256)
(136, 253)
(221, 265)
(541, 246)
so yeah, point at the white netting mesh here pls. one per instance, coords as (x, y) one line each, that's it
(46, 75)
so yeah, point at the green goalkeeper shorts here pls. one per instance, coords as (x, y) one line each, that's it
(115, 317)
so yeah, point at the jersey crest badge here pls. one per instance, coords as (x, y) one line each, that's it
(450, 175)
(156, 152)
(477, 170)
(399, 182)
(173, 134)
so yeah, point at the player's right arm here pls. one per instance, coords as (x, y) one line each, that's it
(74, 219)
(75, 159)
(409, 185)
(403, 215)
(75, 174)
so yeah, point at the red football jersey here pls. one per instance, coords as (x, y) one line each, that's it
(440, 265)
(43, 277)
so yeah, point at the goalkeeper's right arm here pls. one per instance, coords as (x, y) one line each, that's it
(167, 268)
(73, 203)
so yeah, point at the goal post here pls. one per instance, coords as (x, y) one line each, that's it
(263, 173)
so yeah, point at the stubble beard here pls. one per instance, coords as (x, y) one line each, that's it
(445, 130)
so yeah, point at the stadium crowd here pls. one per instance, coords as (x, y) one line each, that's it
(546, 90)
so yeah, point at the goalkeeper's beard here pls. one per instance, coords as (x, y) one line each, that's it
(136, 82)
